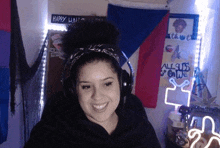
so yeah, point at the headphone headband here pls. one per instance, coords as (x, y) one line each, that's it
(102, 48)
(131, 70)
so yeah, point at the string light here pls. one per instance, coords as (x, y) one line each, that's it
(44, 61)
(202, 52)
(56, 27)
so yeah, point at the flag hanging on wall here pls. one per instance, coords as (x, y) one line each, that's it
(5, 29)
(142, 30)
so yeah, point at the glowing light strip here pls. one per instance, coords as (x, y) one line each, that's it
(198, 42)
(197, 58)
(201, 5)
(57, 27)
(199, 132)
(172, 81)
(43, 80)
(47, 27)
(51, 27)
(44, 61)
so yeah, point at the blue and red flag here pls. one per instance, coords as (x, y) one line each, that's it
(143, 30)
(5, 29)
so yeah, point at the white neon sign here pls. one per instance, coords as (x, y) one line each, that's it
(193, 132)
(172, 81)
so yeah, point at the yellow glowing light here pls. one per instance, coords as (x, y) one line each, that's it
(172, 81)
(193, 132)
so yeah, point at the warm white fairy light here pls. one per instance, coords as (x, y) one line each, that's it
(193, 132)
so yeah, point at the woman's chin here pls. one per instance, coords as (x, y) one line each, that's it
(101, 118)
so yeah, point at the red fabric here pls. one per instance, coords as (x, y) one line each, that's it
(5, 15)
(149, 65)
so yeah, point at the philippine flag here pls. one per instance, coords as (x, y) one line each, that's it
(143, 31)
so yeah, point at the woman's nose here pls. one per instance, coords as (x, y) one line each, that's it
(97, 94)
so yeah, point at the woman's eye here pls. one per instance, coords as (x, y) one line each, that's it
(108, 84)
(85, 87)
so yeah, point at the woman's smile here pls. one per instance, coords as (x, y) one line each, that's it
(100, 107)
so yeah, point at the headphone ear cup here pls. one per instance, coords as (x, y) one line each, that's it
(69, 87)
(125, 83)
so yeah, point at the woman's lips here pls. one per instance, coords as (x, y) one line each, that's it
(100, 107)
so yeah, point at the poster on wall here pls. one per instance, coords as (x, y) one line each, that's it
(55, 54)
(179, 52)
(55, 62)
(182, 27)
(178, 61)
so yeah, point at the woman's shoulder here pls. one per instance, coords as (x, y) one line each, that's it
(59, 104)
(138, 130)
(134, 104)
(55, 122)
(56, 98)
(133, 120)
(133, 112)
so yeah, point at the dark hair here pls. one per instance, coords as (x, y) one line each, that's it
(89, 32)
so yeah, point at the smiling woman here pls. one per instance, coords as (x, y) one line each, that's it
(99, 94)
(96, 108)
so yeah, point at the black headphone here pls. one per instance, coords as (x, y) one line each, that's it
(126, 80)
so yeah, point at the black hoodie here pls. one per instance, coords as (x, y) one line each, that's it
(64, 125)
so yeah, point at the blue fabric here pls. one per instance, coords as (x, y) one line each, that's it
(4, 99)
(134, 25)
(4, 83)
(4, 48)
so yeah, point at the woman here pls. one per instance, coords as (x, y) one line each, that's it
(91, 111)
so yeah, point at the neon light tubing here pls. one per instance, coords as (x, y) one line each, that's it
(193, 132)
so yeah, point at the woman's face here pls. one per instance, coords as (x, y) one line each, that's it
(98, 91)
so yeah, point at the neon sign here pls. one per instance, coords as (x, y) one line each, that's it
(193, 132)
(172, 81)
